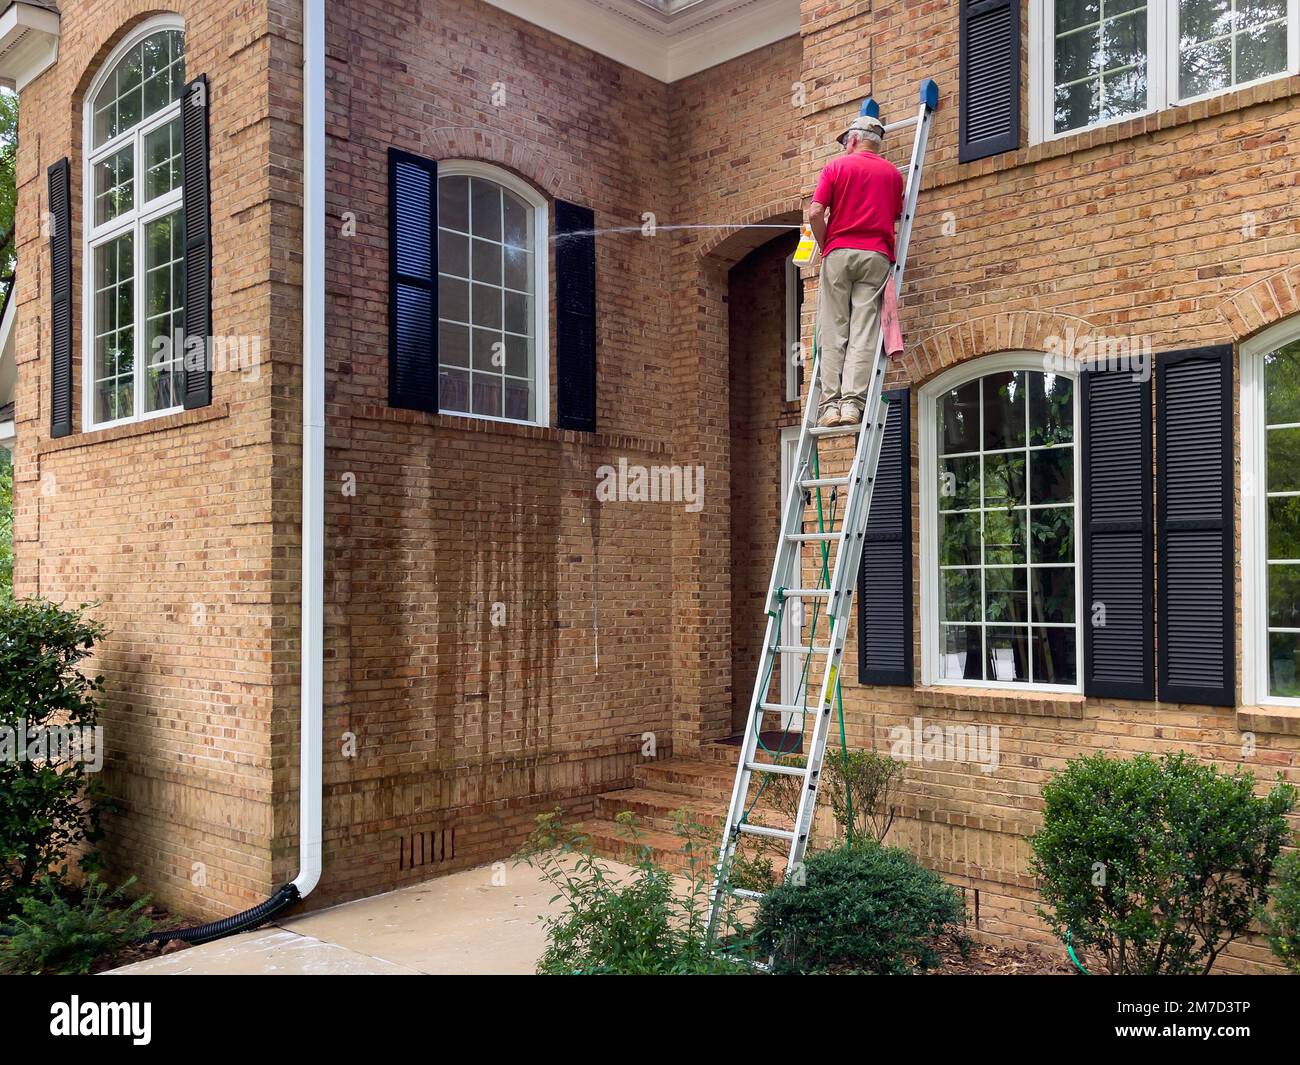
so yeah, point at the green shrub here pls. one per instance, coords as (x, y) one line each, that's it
(48, 806)
(1153, 866)
(641, 924)
(54, 934)
(859, 909)
(1283, 919)
(861, 786)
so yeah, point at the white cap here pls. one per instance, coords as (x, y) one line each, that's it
(872, 127)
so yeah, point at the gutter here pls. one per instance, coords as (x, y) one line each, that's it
(313, 500)
(313, 447)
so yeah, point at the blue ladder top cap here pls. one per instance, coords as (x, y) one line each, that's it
(869, 108)
(930, 93)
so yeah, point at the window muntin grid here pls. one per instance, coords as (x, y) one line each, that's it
(487, 285)
(133, 215)
(1006, 519)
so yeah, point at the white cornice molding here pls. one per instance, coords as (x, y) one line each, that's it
(689, 38)
(29, 43)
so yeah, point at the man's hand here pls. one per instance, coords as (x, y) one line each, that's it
(817, 222)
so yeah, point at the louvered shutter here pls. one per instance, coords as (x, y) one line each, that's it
(885, 577)
(575, 316)
(1194, 513)
(990, 78)
(413, 282)
(197, 208)
(1116, 536)
(60, 208)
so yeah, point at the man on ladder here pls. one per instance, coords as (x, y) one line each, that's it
(859, 197)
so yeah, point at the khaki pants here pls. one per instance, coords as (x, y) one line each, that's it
(848, 321)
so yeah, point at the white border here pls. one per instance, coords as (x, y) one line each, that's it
(928, 428)
(92, 236)
(1162, 72)
(1254, 525)
(540, 209)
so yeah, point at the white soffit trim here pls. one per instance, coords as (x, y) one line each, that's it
(29, 43)
(667, 41)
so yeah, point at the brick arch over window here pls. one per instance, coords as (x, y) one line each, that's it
(728, 246)
(930, 355)
(474, 142)
(108, 36)
(1263, 303)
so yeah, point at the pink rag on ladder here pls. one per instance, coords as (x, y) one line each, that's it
(889, 326)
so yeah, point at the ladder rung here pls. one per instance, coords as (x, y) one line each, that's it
(835, 430)
(787, 708)
(770, 767)
(800, 649)
(745, 893)
(807, 593)
(808, 538)
(762, 830)
(824, 482)
(902, 123)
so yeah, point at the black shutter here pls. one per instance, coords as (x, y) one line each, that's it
(885, 577)
(1118, 604)
(1194, 513)
(412, 282)
(197, 203)
(60, 207)
(575, 316)
(990, 78)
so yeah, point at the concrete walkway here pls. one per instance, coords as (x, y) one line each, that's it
(462, 924)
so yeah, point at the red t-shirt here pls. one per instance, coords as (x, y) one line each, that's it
(864, 194)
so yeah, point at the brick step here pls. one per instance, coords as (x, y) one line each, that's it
(688, 779)
(609, 839)
(655, 809)
(727, 752)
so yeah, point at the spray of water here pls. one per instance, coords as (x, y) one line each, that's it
(656, 229)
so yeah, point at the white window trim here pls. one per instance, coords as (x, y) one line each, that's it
(134, 220)
(1162, 73)
(793, 355)
(1254, 522)
(927, 405)
(539, 207)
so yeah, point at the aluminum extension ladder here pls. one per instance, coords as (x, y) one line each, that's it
(836, 584)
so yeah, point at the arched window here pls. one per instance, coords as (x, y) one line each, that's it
(134, 239)
(492, 304)
(1270, 504)
(1000, 574)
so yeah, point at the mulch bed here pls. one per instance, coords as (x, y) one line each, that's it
(983, 959)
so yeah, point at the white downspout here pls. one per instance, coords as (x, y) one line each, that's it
(313, 444)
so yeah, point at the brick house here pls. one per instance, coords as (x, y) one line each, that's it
(557, 244)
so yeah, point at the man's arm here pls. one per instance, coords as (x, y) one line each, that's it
(817, 222)
(823, 200)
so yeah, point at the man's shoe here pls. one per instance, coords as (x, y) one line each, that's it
(829, 416)
(850, 413)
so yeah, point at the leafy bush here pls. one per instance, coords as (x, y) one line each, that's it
(53, 934)
(859, 909)
(50, 805)
(860, 784)
(1155, 865)
(638, 925)
(1283, 920)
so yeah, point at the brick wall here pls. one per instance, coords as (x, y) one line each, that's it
(167, 526)
(1134, 230)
